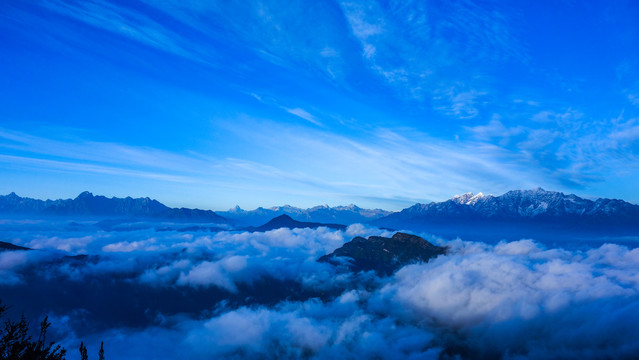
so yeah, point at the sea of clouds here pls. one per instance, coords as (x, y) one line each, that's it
(198, 295)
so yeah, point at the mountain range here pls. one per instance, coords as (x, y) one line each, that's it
(350, 214)
(535, 213)
(87, 205)
(91, 206)
(518, 213)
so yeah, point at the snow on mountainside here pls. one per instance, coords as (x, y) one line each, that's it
(522, 203)
(322, 214)
(528, 207)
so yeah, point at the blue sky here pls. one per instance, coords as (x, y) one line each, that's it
(258, 103)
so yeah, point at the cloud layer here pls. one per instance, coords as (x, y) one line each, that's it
(243, 295)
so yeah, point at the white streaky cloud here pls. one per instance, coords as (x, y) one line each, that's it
(78, 167)
(624, 132)
(304, 115)
(538, 139)
(297, 111)
(567, 117)
(363, 24)
(321, 163)
(104, 153)
(402, 42)
(494, 129)
(265, 38)
(130, 24)
(426, 159)
(459, 103)
(573, 151)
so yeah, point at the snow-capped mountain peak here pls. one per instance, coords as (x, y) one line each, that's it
(468, 198)
(463, 199)
(524, 204)
(473, 200)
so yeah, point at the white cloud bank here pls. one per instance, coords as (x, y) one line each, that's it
(509, 300)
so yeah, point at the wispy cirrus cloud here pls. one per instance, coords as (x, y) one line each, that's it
(573, 148)
(304, 115)
(279, 34)
(495, 129)
(415, 45)
(296, 111)
(125, 22)
(303, 161)
(458, 103)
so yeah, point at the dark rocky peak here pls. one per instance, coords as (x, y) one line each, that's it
(85, 195)
(413, 240)
(381, 254)
(285, 221)
(282, 220)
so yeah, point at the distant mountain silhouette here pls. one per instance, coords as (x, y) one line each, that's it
(89, 205)
(381, 254)
(518, 213)
(285, 221)
(350, 214)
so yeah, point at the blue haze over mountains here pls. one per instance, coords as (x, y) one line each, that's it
(340, 214)
(537, 213)
(88, 205)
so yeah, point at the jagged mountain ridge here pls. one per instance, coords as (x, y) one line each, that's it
(88, 205)
(350, 214)
(536, 206)
(537, 203)
(518, 208)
